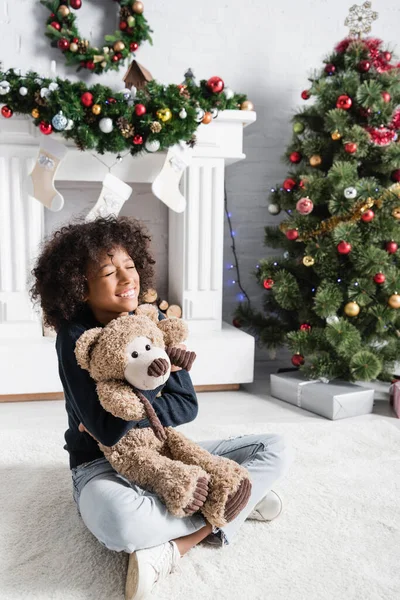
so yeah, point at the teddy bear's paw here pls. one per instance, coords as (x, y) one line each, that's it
(199, 496)
(186, 492)
(237, 501)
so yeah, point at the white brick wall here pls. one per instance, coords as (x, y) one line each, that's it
(265, 49)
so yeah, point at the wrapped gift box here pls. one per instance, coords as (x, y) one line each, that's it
(334, 400)
(395, 397)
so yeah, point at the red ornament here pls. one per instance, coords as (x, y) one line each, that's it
(115, 58)
(75, 4)
(297, 360)
(350, 147)
(55, 25)
(344, 102)
(330, 69)
(215, 85)
(391, 247)
(380, 278)
(268, 283)
(395, 176)
(289, 184)
(236, 323)
(295, 157)
(302, 184)
(386, 97)
(367, 216)
(123, 25)
(365, 112)
(7, 112)
(344, 248)
(305, 94)
(364, 66)
(63, 44)
(111, 101)
(87, 99)
(45, 128)
(90, 65)
(138, 140)
(75, 40)
(304, 206)
(140, 110)
(292, 234)
(305, 327)
(133, 46)
(387, 56)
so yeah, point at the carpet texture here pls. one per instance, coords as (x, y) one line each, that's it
(338, 537)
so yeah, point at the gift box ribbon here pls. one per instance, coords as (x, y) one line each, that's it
(303, 384)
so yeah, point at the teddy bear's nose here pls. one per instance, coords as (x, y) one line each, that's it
(158, 367)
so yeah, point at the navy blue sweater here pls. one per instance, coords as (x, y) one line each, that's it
(176, 405)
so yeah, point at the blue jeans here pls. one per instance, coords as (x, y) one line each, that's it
(125, 518)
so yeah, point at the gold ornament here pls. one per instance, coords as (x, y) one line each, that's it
(155, 127)
(396, 212)
(63, 11)
(247, 105)
(315, 160)
(308, 261)
(207, 118)
(104, 64)
(73, 47)
(164, 114)
(119, 46)
(96, 109)
(35, 113)
(138, 7)
(352, 309)
(394, 301)
(336, 135)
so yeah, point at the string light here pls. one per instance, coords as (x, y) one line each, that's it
(237, 281)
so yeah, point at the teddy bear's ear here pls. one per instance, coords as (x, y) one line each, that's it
(84, 346)
(175, 331)
(148, 310)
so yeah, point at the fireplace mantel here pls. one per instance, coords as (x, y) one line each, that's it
(27, 358)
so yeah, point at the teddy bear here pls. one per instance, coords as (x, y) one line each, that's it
(132, 354)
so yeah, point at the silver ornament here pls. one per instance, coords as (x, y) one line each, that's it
(106, 125)
(126, 93)
(199, 114)
(286, 255)
(70, 125)
(350, 193)
(274, 209)
(214, 112)
(4, 88)
(38, 81)
(53, 86)
(229, 93)
(152, 145)
(44, 92)
(332, 319)
(59, 121)
(23, 91)
(183, 113)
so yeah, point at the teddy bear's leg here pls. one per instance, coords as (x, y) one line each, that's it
(183, 488)
(229, 486)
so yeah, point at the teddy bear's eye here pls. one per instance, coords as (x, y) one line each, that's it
(135, 354)
(148, 347)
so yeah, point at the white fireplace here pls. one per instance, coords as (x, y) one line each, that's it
(28, 362)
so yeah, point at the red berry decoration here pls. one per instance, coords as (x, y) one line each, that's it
(111, 101)
(395, 176)
(289, 184)
(330, 69)
(387, 56)
(297, 360)
(90, 65)
(140, 110)
(364, 66)
(391, 247)
(7, 112)
(295, 157)
(305, 94)
(138, 140)
(305, 327)
(63, 44)
(75, 40)
(87, 99)
(386, 97)
(344, 248)
(350, 147)
(45, 128)
(55, 25)
(75, 4)
(367, 216)
(344, 102)
(133, 46)
(380, 278)
(236, 323)
(292, 234)
(215, 85)
(123, 25)
(302, 184)
(268, 283)
(304, 206)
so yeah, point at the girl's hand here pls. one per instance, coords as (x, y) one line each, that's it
(83, 429)
(173, 367)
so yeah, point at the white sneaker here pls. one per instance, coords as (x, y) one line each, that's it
(268, 509)
(147, 567)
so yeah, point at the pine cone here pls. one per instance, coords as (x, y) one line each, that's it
(39, 100)
(124, 13)
(90, 118)
(192, 142)
(155, 127)
(83, 46)
(126, 128)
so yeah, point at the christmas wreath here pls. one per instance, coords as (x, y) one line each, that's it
(64, 34)
(97, 118)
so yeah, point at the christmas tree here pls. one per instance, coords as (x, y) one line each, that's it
(332, 294)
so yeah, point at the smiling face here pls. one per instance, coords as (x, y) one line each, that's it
(113, 285)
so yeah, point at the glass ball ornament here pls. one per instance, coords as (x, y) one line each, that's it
(298, 359)
(182, 113)
(305, 94)
(305, 327)
(396, 212)
(336, 135)
(352, 309)
(207, 118)
(96, 109)
(289, 184)
(308, 261)
(106, 125)
(315, 160)
(229, 93)
(368, 216)
(394, 301)
(137, 140)
(304, 206)
(152, 145)
(298, 127)
(380, 278)
(23, 91)
(268, 283)
(344, 102)
(140, 110)
(292, 234)
(350, 193)
(274, 209)
(350, 147)
(295, 157)
(391, 247)
(6, 112)
(138, 7)
(247, 105)
(164, 114)
(35, 113)
(215, 85)
(59, 121)
(344, 247)
(199, 114)
(395, 176)
(5, 87)
(46, 128)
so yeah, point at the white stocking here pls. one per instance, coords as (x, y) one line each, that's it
(40, 183)
(113, 195)
(166, 184)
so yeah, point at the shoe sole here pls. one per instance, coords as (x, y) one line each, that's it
(132, 577)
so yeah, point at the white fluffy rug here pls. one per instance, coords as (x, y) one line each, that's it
(337, 539)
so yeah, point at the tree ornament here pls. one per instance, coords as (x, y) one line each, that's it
(59, 121)
(387, 56)
(152, 145)
(87, 99)
(63, 44)
(386, 97)
(75, 4)
(344, 102)
(308, 261)
(46, 128)
(391, 247)
(395, 176)
(138, 7)
(268, 283)
(367, 216)
(396, 212)
(330, 69)
(236, 323)
(115, 58)
(133, 46)
(73, 47)
(302, 184)
(23, 91)
(63, 11)
(394, 301)
(304, 206)
(106, 125)
(297, 360)
(315, 160)
(70, 125)
(6, 112)
(352, 309)
(350, 193)
(336, 135)
(289, 184)
(155, 127)
(5, 88)
(207, 118)
(215, 85)
(292, 234)
(96, 109)
(305, 94)
(305, 327)
(119, 46)
(364, 66)
(35, 113)
(247, 105)
(380, 278)
(295, 157)
(164, 114)
(140, 110)
(229, 93)
(298, 127)
(55, 25)
(137, 140)
(344, 247)
(274, 209)
(350, 147)
(131, 21)
(182, 114)
(199, 114)
(214, 112)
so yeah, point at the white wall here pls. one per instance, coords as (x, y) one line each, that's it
(263, 48)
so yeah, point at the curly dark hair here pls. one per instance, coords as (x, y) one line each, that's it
(60, 271)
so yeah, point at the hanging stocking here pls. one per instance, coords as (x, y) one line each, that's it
(113, 195)
(166, 184)
(40, 183)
